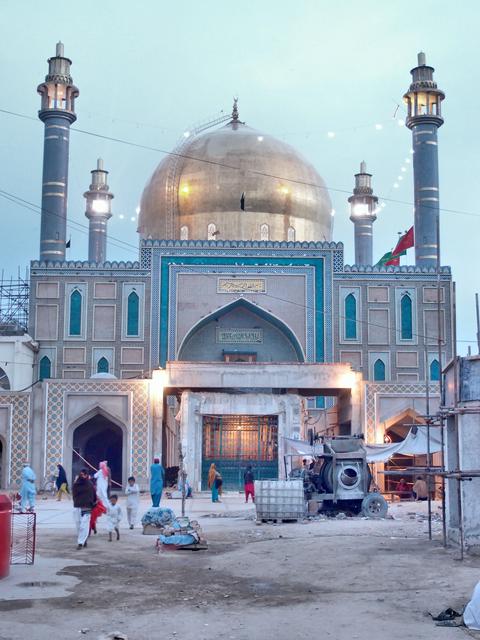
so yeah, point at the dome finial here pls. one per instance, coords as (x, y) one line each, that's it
(235, 110)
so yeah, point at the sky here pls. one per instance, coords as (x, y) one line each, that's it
(326, 77)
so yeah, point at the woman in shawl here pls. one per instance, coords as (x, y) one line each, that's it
(61, 483)
(157, 477)
(102, 478)
(214, 482)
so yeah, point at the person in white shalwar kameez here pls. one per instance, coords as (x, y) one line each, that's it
(132, 492)
(102, 478)
(114, 515)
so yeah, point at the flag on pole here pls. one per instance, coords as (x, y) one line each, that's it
(389, 260)
(404, 242)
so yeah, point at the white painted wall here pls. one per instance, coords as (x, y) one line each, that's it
(17, 355)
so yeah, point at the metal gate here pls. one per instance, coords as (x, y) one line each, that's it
(234, 441)
(24, 531)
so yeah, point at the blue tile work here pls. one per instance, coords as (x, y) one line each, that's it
(160, 254)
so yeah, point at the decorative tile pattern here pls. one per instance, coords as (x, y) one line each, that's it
(321, 251)
(138, 431)
(19, 440)
(373, 389)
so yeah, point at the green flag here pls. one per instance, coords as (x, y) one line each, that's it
(388, 259)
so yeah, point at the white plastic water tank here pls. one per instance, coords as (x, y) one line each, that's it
(279, 499)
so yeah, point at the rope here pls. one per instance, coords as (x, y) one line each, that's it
(92, 467)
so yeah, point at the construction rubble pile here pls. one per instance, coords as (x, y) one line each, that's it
(172, 531)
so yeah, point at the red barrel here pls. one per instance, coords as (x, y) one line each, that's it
(5, 535)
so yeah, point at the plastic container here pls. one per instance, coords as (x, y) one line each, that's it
(5, 535)
(279, 499)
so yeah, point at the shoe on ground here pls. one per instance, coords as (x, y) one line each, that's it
(79, 546)
(131, 526)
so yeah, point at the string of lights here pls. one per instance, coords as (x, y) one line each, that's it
(346, 191)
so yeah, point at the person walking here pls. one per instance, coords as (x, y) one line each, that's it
(84, 499)
(248, 482)
(28, 490)
(114, 515)
(132, 492)
(61, 483)
(97, 512)
(157, 477)
(102, 478)
(214, 482)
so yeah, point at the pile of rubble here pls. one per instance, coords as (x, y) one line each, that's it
(172, 531)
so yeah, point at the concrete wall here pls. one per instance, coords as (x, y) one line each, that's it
(462, 383)
(17, 356)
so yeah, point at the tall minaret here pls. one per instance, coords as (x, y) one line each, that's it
(424, 117)
(363, 207)
(98, 212)
(58, 113)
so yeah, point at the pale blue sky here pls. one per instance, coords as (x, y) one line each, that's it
(148, 71)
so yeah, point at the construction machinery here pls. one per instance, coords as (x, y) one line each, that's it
(336, 477)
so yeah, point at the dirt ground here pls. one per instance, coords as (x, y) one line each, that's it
(341, 579)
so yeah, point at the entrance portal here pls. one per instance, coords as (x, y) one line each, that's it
(233, 441)
(95, 440)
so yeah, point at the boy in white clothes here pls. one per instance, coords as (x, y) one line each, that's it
(132, 492)
(114, 515)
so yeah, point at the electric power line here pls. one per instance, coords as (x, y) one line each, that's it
(236, 168)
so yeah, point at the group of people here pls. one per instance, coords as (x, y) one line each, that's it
(92, 498)
(215, 483)
(419, 490)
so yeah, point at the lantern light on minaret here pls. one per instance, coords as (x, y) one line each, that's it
(363, 210)
(424, 103)
(98, 211)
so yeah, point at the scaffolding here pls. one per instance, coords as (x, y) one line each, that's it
(14, 300)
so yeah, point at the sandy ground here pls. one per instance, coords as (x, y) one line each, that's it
(340, 579)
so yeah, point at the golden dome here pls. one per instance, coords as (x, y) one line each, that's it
(235, 183)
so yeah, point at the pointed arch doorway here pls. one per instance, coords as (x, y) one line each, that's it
(99, 438)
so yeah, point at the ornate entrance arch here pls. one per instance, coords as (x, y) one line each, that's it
(286, 342)
(98, 436)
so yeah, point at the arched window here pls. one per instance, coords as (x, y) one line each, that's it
(212, 231)
(45, 368)
(133, 313)
(75, 313)
(264, 232)
(184, 233)
(434, 370)
(291, 234)
(379, 370)
(4, 381)
(406, 317)
(350, 317)
(102, 365)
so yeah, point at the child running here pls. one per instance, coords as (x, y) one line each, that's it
(114, 515)
(132, 492)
